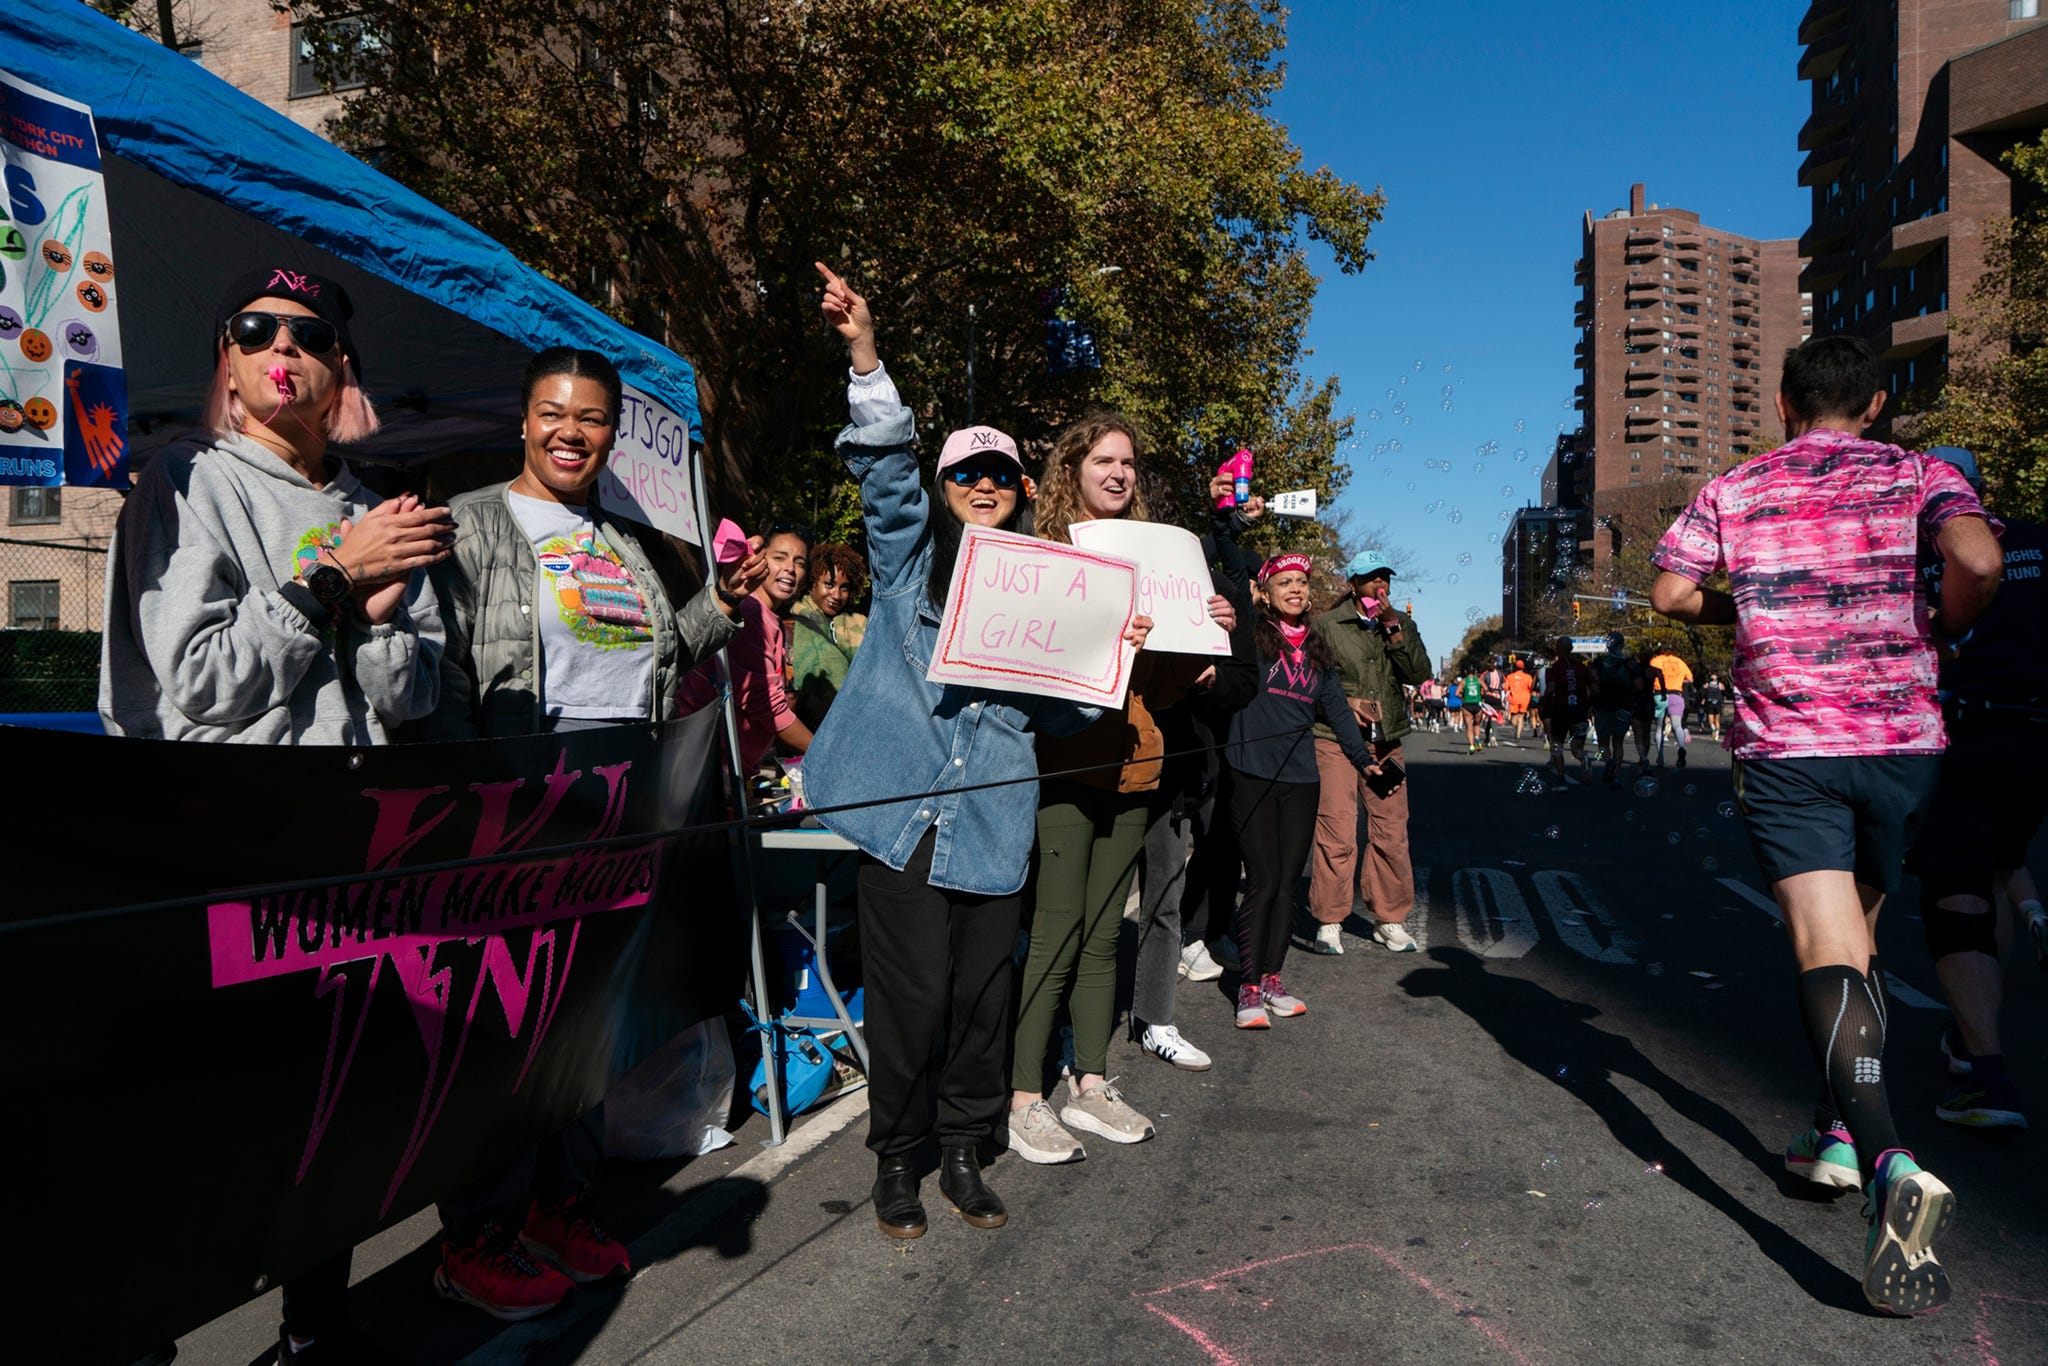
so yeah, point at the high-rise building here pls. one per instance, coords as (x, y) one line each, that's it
(1682, 330)
(1913, 104)
(1539, 565)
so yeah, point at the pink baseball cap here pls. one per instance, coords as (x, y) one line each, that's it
(1281, 564)
(969, 442)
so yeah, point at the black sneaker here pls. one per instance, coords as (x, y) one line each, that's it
(1996, 1106)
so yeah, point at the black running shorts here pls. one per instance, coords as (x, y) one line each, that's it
(1857, 814)
(1990, 802)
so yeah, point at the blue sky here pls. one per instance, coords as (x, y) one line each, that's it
(1493, 127)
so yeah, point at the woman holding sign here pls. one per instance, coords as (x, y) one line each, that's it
(941, 868)
(1275, 784)
(1091, 831)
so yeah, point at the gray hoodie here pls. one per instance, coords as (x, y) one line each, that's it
(208, 638)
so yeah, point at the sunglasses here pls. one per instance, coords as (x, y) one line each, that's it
(254, 331)
(1002, 476)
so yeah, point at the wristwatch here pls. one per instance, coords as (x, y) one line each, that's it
(329, 584)
(729, 598)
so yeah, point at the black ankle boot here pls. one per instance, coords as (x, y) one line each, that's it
(960, 1181)
(898, 1211)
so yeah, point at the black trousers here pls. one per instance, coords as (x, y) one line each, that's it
(938, 969)
(1275, 824)
(1209, 898)
(564, 1163)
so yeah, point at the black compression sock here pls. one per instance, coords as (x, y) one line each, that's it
(1845, 1025)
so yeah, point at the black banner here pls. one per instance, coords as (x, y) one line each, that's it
(230, 1054)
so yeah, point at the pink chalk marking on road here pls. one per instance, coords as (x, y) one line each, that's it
(1415, 1278)
(1980, 1335)
(1201, 1339)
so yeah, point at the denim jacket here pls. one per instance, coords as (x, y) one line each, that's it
(891, 732)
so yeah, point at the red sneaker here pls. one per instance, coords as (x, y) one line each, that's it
(564, 1233)
(494, 1274)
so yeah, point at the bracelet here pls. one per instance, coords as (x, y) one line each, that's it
(728, 598)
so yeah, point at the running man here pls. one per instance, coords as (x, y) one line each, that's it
(1711, 696)
(1520, 688)
(1837, 739)
(1473, 699)
(1990, 803)
(1567, 696)
(1615, 675)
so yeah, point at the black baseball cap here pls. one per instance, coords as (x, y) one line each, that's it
(327, 299)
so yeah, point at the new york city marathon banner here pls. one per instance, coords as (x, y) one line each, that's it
(223, 1067)
(63, 397)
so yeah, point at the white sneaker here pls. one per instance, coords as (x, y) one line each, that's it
(1101, 1110)
(1395, 937)
(1196, 965)
(1329, 939)
(1036, 1135)
(1165, 1042)
(1225, 952)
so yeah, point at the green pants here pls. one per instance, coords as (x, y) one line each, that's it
(1089, 841)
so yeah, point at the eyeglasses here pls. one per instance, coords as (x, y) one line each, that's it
(1002, 476)
(254, 331)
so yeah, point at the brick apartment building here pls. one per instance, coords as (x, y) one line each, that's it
(1913, 103)
(1682, 329)
(53, 541)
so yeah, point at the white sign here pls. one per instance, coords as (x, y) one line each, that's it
(1174, 586)
(63, 395)
(648, 475)
(1025, 615)
(1589, 645)
(1295, 503)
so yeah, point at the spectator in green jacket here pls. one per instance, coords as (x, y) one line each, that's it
(1378, 650)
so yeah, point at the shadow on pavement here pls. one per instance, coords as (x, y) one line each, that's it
(1551, 1036)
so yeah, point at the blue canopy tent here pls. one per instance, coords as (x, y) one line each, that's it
(205, 182)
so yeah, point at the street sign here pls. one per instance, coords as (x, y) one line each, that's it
(1589, 645)
(1621, 599)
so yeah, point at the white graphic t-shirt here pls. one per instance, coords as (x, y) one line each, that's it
(596, 642)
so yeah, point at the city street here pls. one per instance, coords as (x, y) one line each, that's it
(1553, 1136)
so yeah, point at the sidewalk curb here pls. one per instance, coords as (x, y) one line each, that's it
(517, 1342)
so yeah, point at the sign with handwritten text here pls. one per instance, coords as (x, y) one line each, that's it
(63, 394)
(648, 477)
(1026, 615)
(1174, 587)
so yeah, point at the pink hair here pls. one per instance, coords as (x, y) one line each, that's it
(352, 418)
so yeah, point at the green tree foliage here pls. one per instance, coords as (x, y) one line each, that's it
(1994, 399)
(684, 165)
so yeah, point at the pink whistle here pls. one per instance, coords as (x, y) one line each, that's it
(728, 543)
(281, 380)
(1239, 468)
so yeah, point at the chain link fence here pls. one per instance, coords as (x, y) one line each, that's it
(50, 637)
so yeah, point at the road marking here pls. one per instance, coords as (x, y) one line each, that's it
(1901, 992)
(1488, 896)
(1573, 912)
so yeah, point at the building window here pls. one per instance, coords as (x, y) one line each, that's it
(33, 604)
(34, 507)
(335, 49)
(2023, 9)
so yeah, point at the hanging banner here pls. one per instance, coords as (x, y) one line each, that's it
(1174, 586)
(326, 1012)
(648, 475)
(1033, 616)
(63, 398)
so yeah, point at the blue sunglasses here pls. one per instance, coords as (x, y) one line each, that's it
(1002, 476)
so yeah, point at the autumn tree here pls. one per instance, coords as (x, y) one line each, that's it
(976, 169)
(1993, 400)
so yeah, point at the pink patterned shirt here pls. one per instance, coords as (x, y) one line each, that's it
(1834, 646)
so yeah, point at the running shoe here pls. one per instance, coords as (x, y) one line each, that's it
(1197, 964)
(1681, 756)
(493, 1273)
(1168, 1045)
(1393, 936)
(563, 1233)
(1329, 939)
(1036, 1135)
(1101, 1110)
(1276, 998)
(1992, 1106)
(1826, 1159)
(1953, 1050)
(1908, 1209)
(1251, 1008)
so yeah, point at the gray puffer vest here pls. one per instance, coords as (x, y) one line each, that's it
(490, 670)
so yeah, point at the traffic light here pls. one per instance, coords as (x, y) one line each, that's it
(1575, 611)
